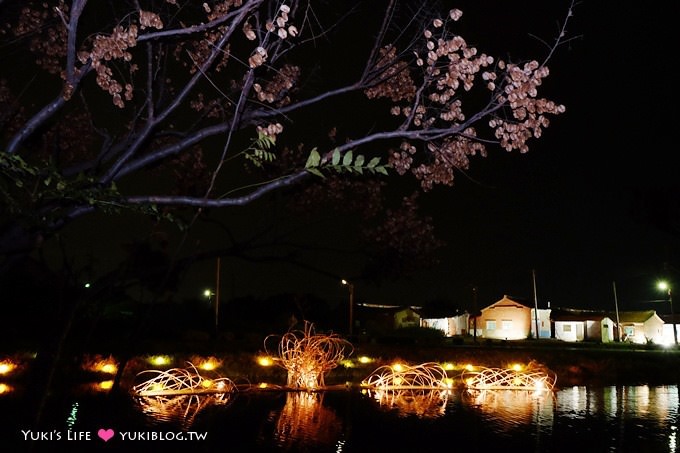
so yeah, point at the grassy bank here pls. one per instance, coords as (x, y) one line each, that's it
(573, 364)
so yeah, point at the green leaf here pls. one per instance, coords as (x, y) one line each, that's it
(313, 159)
(347, 159)
(382, 170)
(336, 157)
(316, 171)
(373, 162)
(359, 161)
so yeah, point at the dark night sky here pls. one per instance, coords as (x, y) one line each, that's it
(578, 208)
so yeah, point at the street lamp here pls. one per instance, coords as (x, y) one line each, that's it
(664, 286)
(351, 304)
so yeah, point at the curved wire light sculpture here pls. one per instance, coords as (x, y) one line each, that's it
(179, 394)
(398, 376)
(308, 356)
(421, 390)
(182, 381)
(534, 377)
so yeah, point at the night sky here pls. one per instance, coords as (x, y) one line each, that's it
(595, 201)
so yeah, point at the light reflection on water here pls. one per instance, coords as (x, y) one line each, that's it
(304, 422)
(602, 419)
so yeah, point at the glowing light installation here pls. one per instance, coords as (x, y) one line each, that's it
(182, 381)
(402, 376)
(180, 393)
(534, 377)
(308, 356)
(420, 390)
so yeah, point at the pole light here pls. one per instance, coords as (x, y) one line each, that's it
(664, 286)
(351, 304)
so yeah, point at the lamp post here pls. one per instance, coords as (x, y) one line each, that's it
(351, 304)
(664, 286)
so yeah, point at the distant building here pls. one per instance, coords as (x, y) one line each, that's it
(582, 325)
(544, 323)
(451, 323)
(643, 327)
(506, 319)
(382, 319)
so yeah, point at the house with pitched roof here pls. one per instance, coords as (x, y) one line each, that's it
(506, 319)
(641, 327)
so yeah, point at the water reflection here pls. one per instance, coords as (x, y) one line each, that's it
(180, 409)
(506, 410)
(658, 403)
(413, 402)
(305, 421)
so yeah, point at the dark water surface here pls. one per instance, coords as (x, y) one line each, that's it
(573, 419)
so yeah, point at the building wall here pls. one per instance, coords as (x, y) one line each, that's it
(406, 318)
(458, 324)
(543, 323)
(569, 330)
(653, 329)
(454, 325)
(607, 330)
(505, 320)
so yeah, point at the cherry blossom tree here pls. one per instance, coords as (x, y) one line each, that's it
(169, 107)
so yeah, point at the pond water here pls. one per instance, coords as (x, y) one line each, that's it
(571, 419)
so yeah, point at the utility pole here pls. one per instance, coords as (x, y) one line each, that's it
(533, 276)
(616, 305)
(474, 312)
(350, 285)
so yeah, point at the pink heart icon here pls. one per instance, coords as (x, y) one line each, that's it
(105, 434)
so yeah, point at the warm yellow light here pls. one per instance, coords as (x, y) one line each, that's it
(469, 367)
(448, 382)
(347, 363)
(109, 368)
(160, 360)
(157, 387)
(106, 385)
(265, 361)
(364, 359)
(516, 367)
(206, 383)
(4, 388)
(308, 356)
(448, 366)
(397, 367)
(397, 381)
(207, 293)
(210, 364)
(6, 367)
(263, 385)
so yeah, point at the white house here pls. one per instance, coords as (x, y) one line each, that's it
(643, 327)
(451, 324)
(582, 325)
